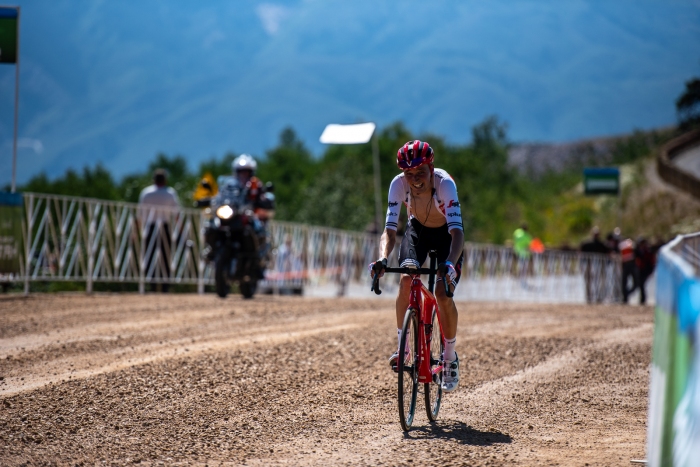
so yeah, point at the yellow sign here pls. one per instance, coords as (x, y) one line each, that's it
(206, 187)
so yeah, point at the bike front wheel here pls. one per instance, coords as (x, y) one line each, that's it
(408, 369)
(433, 391)
(221, 276)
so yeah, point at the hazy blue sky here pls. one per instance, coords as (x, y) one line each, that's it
(118, 81)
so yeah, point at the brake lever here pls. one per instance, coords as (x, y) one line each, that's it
(375, 284)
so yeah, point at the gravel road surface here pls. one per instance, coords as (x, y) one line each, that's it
(114, 379)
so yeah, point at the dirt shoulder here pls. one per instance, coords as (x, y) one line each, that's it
(194, 380)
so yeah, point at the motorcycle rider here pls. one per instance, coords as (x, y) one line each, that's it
(253, 193)
(257, 194)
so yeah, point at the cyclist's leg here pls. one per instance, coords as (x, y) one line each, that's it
(448, 319)
(411, 254)
(446, 305)
(448, 310)
(402, 299)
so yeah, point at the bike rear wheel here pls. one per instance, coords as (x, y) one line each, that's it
(433, 391)
(408, 369)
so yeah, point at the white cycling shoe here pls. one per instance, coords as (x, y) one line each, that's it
(394, 360)
(450, 375)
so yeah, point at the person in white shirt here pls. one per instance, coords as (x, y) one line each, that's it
(158, 207)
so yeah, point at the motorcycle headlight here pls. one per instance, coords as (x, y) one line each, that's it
(224, 212)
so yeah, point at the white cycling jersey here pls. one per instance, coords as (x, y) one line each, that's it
(444, 196)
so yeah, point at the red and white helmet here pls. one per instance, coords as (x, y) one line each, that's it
(414, 154)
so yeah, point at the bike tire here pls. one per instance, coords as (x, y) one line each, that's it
(433, 391)
(220, 277)
(408, 369)
(248, 289)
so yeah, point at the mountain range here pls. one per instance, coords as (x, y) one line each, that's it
(118, 82)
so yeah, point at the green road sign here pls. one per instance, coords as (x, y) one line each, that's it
(8, 35)
(601, 181)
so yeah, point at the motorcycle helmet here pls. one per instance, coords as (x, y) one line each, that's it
(244, 162)
(414, 154)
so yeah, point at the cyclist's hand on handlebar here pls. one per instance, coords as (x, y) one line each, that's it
(377, 267)
(447, 269)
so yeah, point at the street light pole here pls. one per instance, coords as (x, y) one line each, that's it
(377, 183)
(360, 133)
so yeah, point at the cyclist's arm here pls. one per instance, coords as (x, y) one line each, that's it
(387, 242)
(447, 190)
(456, 246)
(396, 197)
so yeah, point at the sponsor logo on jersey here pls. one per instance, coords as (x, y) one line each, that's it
(453, 204)
(393, 204)
(392, 214)
(453, 214)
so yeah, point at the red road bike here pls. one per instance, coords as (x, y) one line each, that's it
(422, 344)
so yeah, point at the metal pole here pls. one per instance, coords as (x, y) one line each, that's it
(14, 143)
(377, 183)
(92, 211)
(619, 207)
(142, 249)
(29, 209)
(200, 264)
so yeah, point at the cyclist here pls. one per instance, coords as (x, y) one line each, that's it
(435, 223)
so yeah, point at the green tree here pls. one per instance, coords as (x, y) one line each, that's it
(92, 183)
(291, 168)
(218, 167)
(342, 198)
(688, 105)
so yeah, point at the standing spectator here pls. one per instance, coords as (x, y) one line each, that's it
(613, 243)
(594, 272)
(629, 268)
(155, 222)
(656, 246)
(646, 261)
(521, 247)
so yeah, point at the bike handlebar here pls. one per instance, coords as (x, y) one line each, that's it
(409, 271)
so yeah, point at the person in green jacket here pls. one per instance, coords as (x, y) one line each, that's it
(521, 247)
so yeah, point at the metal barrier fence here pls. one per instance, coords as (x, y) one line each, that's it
(673, 433)
(673, 174)
(79, 239)
(82, 239)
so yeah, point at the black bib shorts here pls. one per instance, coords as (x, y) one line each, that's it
(418, 240)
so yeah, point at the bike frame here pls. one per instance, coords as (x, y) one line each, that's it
(419, 294)
(424, 302)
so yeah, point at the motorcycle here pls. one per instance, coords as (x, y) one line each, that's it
(233, 234)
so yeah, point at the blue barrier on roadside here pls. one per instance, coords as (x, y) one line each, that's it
(673, 437)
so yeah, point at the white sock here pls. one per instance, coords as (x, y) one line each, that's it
(449, 354)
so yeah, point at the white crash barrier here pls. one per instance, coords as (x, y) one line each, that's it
(89, 240)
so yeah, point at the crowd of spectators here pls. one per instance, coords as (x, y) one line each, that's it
(637, 259)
